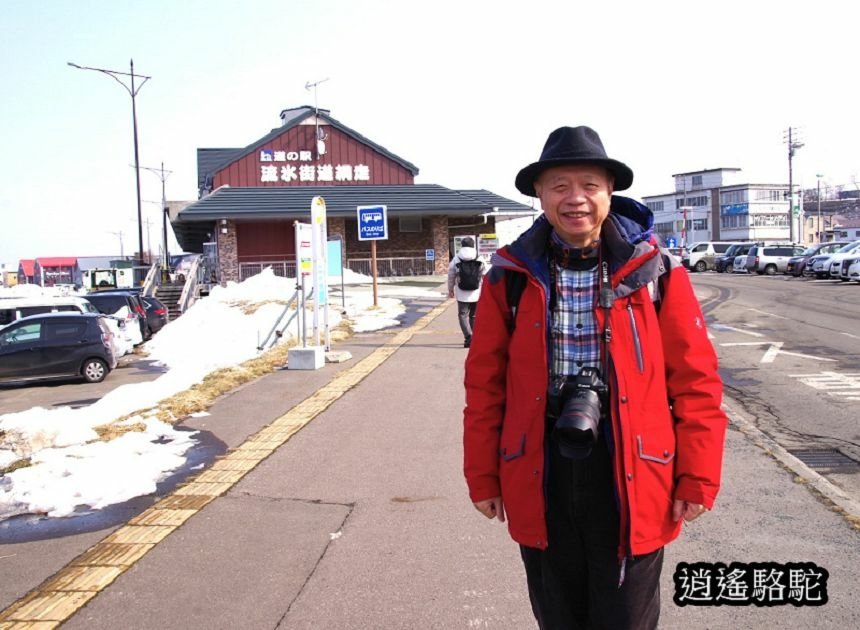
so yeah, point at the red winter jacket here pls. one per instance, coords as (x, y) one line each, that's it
(665, 393)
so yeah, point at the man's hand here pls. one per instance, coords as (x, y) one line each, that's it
(492, 508)
(450, 294)
(690, 511)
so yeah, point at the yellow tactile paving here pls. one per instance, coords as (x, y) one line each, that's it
(162, 516)
(85, 576)
(221, 476)
(50, 606)
(204, 489)
(29, 625)
(113, 554)
(142, 534)
(184, 502)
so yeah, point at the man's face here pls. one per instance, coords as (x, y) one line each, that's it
(575, 200)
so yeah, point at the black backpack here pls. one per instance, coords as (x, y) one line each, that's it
(469, 274)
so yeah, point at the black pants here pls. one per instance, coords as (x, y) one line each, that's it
(466, 315)
(573, 584)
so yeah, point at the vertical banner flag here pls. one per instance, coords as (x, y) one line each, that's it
(320, 268)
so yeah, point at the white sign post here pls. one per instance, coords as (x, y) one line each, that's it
(320, 269)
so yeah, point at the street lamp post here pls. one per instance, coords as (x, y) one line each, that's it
(819, 176)
(132, 91)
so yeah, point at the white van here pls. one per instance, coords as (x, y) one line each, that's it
(702, 256)
(13, 309)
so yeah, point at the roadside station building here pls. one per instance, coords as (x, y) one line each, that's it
(249, 199)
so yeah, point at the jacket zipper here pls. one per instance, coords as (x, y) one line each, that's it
(637, 344)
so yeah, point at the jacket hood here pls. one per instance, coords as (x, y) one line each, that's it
(467, 253)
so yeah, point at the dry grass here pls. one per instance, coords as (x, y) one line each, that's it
(20, 463)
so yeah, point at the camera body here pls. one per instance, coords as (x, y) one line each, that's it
(575, 407)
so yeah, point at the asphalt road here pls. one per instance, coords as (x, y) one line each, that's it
(789, 353)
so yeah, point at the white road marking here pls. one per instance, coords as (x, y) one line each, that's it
(845, 385)
(850, 335)
(733, 329)
(775, 349)
(766, 313)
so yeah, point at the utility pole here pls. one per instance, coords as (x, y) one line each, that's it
(317, 138)
(162, 175)
(794, 143)
(121, 251)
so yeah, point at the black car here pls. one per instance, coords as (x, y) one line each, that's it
(726, 261)
(57, 345)
(111, 302)
(156, 313)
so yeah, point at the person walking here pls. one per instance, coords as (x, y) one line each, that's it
(592, 419)
(465, 275)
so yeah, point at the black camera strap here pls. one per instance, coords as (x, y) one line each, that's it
(606, 297)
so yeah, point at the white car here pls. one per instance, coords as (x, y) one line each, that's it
(740, 264)
(820, 266)
(834, 264)
(854, 271)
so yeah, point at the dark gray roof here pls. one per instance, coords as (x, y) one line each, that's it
(216, 159)
(294, 202)
(209, 159)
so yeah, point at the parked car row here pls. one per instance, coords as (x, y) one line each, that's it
(74, 336)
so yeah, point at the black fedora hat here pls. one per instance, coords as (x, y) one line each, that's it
(573, 145)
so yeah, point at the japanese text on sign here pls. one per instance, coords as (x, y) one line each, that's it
(272, 172)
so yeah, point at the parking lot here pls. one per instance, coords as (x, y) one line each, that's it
(132, 368)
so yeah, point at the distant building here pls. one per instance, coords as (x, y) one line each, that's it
(8, 275)
(27, 271)
(715, 205)
(50, 271)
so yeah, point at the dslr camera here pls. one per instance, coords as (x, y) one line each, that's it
(575, 406)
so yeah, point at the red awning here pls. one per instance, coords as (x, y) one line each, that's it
(28, 266)
(57, 261)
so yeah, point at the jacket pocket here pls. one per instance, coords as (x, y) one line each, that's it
(508, 453)
(652, 454)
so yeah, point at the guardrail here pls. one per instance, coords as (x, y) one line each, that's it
(152, 280)
(281, 268)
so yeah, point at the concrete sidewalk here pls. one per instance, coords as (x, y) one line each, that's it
(360, 519)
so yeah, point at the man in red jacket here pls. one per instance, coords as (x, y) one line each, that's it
(592, 419)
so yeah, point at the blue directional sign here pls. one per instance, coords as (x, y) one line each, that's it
(372, 223)
(671, 242)
(429, 254)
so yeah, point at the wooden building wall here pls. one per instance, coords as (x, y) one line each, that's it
(340, 149)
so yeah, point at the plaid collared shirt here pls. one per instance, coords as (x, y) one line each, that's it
(575, 334)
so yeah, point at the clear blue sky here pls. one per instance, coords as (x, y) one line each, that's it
(467, 91)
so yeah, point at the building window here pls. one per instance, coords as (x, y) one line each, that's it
(695, 202)
(700, 224)
(733, 196)
(697, 180)
(656, 206)
(410, 224)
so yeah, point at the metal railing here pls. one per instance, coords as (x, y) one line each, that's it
(277, 330)
(152, 280)
(189, 291)
(401, 266)
(281, 268)
(391, 266)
